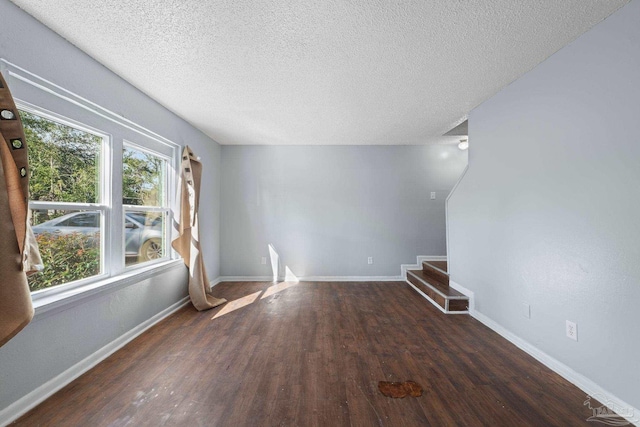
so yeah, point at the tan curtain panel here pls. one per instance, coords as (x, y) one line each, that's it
(19, 253)
(186, 226)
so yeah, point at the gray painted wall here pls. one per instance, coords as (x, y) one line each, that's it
(55, 341)
(326, 209)
(548, 212)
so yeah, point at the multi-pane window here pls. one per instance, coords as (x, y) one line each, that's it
(144, 201)
(66, 199)
(73, 207)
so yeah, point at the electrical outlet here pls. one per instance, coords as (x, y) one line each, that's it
(433, 195)
(370, 260)
(263, 261)
(572, 330)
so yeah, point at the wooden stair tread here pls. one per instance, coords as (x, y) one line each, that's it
(442, 265)
(445, 290)
(432, 282)
(436, 274)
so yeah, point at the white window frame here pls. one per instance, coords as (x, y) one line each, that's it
(166, 208)
(102, 205)
(46, 99)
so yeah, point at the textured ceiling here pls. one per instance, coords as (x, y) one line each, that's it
(321, 72)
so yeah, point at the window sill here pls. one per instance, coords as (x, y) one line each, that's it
(47, 305)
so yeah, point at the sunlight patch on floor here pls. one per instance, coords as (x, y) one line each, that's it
(278, 287)
(290, 280)
(236, 304)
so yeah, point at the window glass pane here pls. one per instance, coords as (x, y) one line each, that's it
(64, 161)
(69, 243)
(143, 178)
(144, 236)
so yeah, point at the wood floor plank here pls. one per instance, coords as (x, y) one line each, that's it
(311, 354)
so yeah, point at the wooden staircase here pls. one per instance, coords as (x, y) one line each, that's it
(433, 283)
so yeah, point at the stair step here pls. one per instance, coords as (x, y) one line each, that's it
(430, 269)
(446, 297)
(445, 290)
(442, 265)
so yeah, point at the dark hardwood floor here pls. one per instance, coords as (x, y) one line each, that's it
(311, 354)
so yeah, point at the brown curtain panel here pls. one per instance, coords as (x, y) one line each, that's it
(19, 253)
(186, 225)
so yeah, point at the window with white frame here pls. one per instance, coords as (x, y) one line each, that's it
(68, 200)
(100, 187)
(144, 200)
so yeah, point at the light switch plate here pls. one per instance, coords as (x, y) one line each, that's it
(526, 310)
(572, 330)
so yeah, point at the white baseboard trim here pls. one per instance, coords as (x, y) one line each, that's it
(245, 279)
(585, 384)
(351, 279)
(406, 267)
(312, 279)
(46, 390)
(458, 287)
(421, 258)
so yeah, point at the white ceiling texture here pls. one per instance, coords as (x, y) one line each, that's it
(321, 71)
